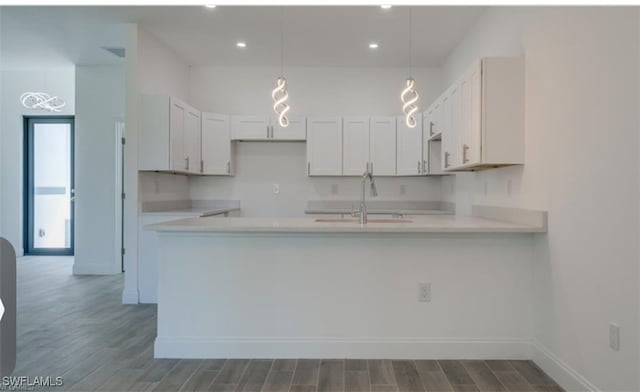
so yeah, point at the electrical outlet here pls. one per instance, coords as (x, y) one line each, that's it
(334, 189)
(276, 189)
(424, 292)
(403, 189)
(614, 336)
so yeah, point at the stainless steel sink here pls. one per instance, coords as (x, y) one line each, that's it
(339, 220)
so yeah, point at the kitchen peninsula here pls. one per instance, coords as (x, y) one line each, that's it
(314, 287)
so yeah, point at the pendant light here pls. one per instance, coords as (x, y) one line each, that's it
(279, 93)
(38, 100)
(409, 95)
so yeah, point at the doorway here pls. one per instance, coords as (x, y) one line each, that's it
(49, 185)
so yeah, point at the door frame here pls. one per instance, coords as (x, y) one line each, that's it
(28, 188)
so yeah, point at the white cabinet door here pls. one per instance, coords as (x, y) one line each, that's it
(409, 149)
(355, 146)
(324, 146)
(177, 148)
(192, 137)
(449, 133)
(216, 144)
(250, 127)
(297, 129)
(470, 129)
(428, 122)
(383, 145)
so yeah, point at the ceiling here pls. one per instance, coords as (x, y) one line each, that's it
(313, 35)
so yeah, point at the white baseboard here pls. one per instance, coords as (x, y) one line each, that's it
(94, 269)
(393, 348)
(130, 297)
(561, 372)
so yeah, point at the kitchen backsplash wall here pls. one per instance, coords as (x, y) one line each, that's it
(162, 187)
(260, 165)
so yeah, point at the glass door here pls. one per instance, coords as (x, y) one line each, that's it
(49, 187)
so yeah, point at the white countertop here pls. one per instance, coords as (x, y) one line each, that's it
(195, 211)
(426, 224)
(348, 211)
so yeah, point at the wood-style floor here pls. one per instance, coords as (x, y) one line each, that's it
(77, 328)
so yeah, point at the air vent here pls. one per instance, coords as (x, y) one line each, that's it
(115, 51)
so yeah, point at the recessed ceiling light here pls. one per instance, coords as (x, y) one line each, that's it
(385, 6)
(241, 44)
(373, 45)
(210, 6)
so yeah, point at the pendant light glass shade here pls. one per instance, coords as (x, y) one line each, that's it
(280, 97)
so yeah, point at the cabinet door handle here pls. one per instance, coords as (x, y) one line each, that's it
(419, 167)
(431, 124)
(186, 160)
(446, 159)
(308, 168)
(201, 166)
(465, 148)
(228, 167)
(371, 167)
(424, 166)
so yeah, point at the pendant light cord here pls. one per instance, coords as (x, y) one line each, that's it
(282, 42)
(410, 41)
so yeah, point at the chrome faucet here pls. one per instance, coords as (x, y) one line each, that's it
(362, 213)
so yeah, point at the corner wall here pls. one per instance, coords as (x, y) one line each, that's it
(582, 166)
(151, 68)
(100, 92)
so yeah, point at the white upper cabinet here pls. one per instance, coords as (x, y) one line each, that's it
(192, 135)
(177, 148)
(355, 149)
(216, 144)
(409, 147)
(250, 127)
(324, 146)
(296, 130)
(169, 135)
(486, 127)
(383, 145)
(267, 128)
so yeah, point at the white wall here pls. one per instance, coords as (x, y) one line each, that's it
(100, 92)
(59, 81)
(582, 166)
(151, 68)
(312, 91)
